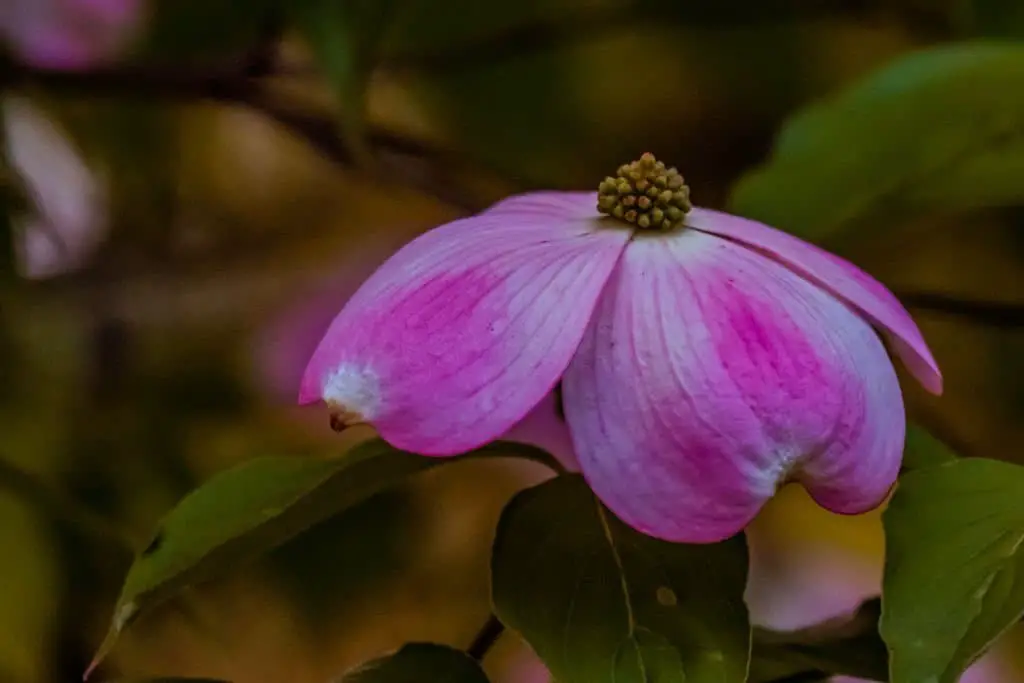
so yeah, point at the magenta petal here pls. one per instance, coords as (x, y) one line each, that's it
(840, 277)
(70, 34)
(710, 374)
(457, 336)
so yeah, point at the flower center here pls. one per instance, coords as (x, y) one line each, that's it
(646, 194)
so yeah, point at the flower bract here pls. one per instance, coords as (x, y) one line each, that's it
(705, 361)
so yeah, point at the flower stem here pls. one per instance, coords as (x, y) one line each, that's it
(486, 638)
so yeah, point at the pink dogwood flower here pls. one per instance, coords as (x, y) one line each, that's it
(69, 34)
(705, 359)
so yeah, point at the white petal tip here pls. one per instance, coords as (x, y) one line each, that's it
(353, 390)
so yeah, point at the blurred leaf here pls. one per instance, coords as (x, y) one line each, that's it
(476, 73)
(849, 646)
(29, 593)
(135, 147)
(472, 32)
(599, 601)
(420, 34)
(1002, 18)
(204, 30)
(518, 117)
(345, 36)
(939, 131)
(954, 570)
(254, 507)
(743, 12)
(167, 680)
(419, 662)
(924, 450)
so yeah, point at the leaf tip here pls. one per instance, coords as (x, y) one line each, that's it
(122, 616)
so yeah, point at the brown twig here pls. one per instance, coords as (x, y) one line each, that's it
(61, 508)
(988, 313)
(232, 88)
(486, 638)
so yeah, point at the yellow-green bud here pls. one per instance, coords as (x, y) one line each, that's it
(646, 194)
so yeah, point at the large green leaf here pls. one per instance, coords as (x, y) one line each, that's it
(254, 507)
(599, 601)
(954, 571)
(345, 37)
(418, 663)
(924, 450)
(941, 130)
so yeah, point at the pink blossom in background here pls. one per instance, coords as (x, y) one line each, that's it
(525, 668)
(69, 34)
(69, 217)
(703, 365)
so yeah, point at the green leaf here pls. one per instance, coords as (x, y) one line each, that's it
(924, 450)
(598, 601)
(954, 571)
(258, 505)
(345, 37)
(419, 662)
(849, 646)
(941, 130)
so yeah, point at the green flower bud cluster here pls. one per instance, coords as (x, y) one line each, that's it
(646, 194)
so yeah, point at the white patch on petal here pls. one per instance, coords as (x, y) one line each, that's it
(768, 480)
(353, 388)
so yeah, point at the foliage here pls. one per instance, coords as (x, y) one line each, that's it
(968, 518)
(592, 596)
(879, 151)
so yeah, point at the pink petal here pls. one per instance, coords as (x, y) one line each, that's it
(711, 374)
(840, 277)
(457, 336)
(543, 428)
(70, 34)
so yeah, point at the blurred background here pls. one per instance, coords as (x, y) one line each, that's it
(190, 192)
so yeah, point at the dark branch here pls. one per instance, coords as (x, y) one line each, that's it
(62, 508)
(486, 638)
(990, 313)
(237, 89)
